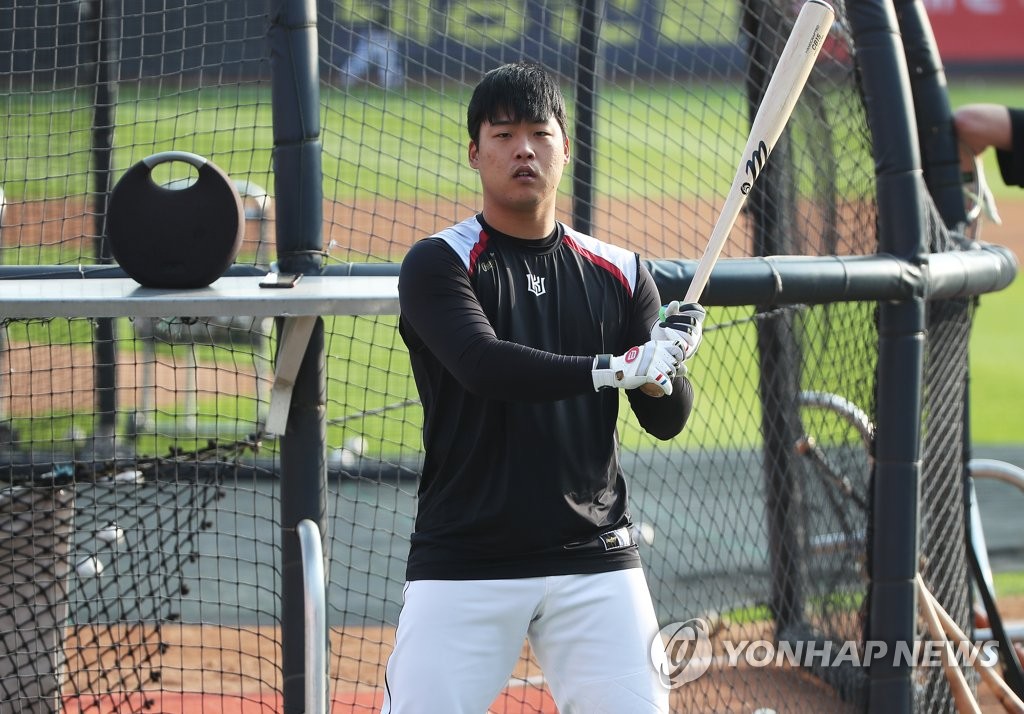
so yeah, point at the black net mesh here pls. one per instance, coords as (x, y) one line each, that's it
(755, 520)
(99, 559)
(943, 519)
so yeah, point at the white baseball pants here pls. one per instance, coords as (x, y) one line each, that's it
(458, 641)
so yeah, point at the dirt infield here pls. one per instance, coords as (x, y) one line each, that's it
(244, 665)
(656, 228)
(59, 379)
(384, 229)
(238, 670)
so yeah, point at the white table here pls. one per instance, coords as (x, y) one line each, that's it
(300, 305)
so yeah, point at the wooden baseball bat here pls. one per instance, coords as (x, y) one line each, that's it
(784, 88)
(1006, 696)
(1013, 674)
(962, 696)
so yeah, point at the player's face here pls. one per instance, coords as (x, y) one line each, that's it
(520, 163)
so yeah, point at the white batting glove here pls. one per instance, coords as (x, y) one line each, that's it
(651, 363)
(680, 323)
(979, 195)
(986, 199)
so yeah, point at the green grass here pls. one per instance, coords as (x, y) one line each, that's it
(1009, 583)
(997, 380)
(370, 372)
(375, 143)
(838, 601)
(380, 143)
(47, 137)
(414, 145)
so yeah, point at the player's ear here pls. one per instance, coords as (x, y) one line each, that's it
(474, 154)
(565, 148)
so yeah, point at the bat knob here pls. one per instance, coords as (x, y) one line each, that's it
(652, 390)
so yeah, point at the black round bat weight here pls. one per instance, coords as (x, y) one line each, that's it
(182, 235)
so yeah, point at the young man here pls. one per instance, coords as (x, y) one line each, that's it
(980, 126)
(521, 331)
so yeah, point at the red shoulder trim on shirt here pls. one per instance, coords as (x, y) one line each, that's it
(600, 262)
(475, 252)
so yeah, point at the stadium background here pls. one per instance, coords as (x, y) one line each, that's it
(972, 37)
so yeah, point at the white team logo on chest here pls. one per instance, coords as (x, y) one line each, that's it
(535, 284)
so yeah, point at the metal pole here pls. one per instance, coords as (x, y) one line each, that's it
(315, 585)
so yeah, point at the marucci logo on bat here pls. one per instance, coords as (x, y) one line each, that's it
(755, 164)
(780, 97)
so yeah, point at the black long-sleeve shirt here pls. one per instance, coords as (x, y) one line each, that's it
(1011, 161)
(521, 454)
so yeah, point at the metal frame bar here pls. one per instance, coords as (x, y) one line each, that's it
(315, 602)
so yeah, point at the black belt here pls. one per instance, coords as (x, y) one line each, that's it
(606, 542)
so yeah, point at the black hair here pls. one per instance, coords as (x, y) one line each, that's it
(519, 91)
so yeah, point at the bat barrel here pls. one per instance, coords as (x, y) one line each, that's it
(787, 82)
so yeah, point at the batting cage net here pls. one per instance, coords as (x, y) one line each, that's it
(141, 550)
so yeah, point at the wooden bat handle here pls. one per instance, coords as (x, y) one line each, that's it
(962, 697)
(1006, 696)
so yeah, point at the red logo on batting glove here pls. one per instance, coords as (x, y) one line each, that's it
(633, 353)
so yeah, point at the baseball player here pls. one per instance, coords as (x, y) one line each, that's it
(521, 331)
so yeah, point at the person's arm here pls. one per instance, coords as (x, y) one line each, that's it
(979, 126)
(438, 303)
(1011, 159)
(661, 417)
(441, 313)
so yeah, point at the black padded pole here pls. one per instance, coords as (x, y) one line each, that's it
(585, 90)
(297, 176)
(934, 115)
(100, 30)
(894, 523)
(941, 163)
